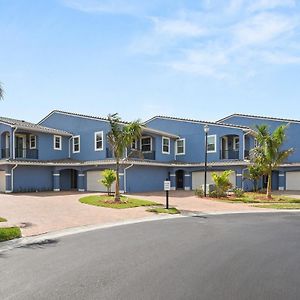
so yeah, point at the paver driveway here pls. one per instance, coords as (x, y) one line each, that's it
(45, 212)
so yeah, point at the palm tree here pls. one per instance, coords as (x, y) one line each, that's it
(1, 92)
(120, 137)
(268, 154)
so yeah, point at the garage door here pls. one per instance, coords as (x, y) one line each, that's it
(2, 181)
(94, 182)
(198, 179)
(293, 181)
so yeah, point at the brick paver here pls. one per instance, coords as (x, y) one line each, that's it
(45, 212)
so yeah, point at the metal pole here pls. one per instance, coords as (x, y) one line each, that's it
(205, 165)
(167, 199)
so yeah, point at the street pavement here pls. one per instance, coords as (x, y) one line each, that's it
(233, 256)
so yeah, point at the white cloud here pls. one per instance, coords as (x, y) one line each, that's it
(278, 58)
(270, 4)
(263, 28)
(178, 28)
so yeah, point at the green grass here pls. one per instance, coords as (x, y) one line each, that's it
(9, 233)
(161, 210)
(2, 220)
(108, 201)
(280, 206)
(251, 197)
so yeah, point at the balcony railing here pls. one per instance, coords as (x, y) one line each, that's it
(229, 154)
(149, 155)
(5, 153)
(26, 153)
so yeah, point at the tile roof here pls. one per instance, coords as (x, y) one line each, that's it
(21, 124)
(259, 117)
(200, 122)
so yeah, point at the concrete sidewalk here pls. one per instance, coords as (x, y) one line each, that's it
(38, 213)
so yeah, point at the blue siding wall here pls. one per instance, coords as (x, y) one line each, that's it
(3, 129)
(195, 138)
(32, 178)
(293, 132)
(84, 127)
(145, 179)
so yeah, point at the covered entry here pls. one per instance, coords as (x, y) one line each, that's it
(68, 179)
(94, 183)
(179, 179)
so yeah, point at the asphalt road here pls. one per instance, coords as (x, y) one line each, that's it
(245, 256)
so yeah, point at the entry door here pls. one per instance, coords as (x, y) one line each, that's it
(74, 174)
(224, 148)
(20, 146)
(179, 179)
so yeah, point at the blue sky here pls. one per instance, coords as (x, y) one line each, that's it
(187, 58)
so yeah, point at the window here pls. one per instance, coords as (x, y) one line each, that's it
(236, 143)
(146, 144)
(32, 142)
(57, 142)
(180, 147)
(165, 145)
(211, 143)
(98, 141)
(134, 145)
(76, 144)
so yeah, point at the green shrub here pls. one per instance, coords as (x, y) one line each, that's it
(222, 183)
(9, 233)
(239, 193)
(199, 192)
(217, 194)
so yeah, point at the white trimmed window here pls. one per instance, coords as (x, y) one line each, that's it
(99, 141)
(211, 143)
(57, 142)
(180, 147)
(32, 141)
(134, 145)
(76, 144)
(165, 145)
(146, 144)
(236, 143)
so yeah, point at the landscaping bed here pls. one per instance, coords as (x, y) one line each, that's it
(161, 210)
(108, 201)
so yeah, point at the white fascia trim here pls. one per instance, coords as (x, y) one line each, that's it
(73, 145)
(56, 174)
(60, 142)
(183, 139)
(187, 175)
(95, 140)
(172, 175)
(215, 138)
(280, 174)
(146, 137)
(162, 144)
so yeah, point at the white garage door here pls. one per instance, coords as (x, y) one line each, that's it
(94, 182)
(198, 179)
(2, 181)
(293, 181)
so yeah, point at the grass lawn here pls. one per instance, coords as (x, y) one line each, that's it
(280, 205)
(9, 233)
(2, 220)
(251, 197)
(108, 201)
(161, 210)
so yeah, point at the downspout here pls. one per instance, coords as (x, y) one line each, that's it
(12, 178)
(70, 146)
(125, 181)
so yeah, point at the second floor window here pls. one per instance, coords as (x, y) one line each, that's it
(236, 143)
(57, 142)
(211, 143)
(76, 144)
(32, 142)
(165, 145)
(99, 141)
(134, 145)
(180, 147)
(146, 144)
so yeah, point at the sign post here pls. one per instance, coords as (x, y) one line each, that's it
(167, 188)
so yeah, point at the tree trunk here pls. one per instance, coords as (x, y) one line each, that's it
(269, 186)
(117, 192)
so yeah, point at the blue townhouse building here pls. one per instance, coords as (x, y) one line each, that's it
(68, 151)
